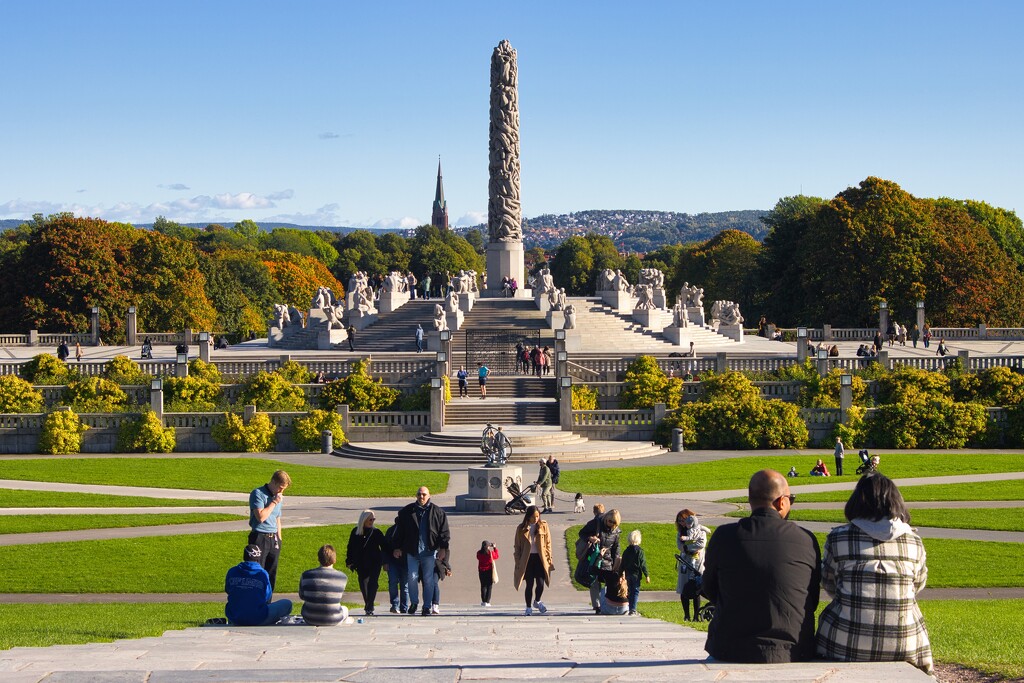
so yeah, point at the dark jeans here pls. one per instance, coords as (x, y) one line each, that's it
(534, 579)
(633, 586)
(368, 588)
(398, 584)
(839, 467)
(486, 583)
(270, 551)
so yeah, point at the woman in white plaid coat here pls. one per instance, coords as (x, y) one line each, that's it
(874, 567)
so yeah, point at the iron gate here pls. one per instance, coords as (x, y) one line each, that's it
(497, 348)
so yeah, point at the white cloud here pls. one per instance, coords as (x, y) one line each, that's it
(404, 223)
(19, 208)
(175, 186)
(328, 136)
(283, 194)
(326, 215)
(472, 218)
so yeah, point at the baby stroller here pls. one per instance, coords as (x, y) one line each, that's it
(868, 463)
(521, 498)
(147, 349)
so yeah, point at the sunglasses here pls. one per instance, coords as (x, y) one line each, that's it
(792, 498)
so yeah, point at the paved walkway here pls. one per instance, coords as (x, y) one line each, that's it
(461, 645)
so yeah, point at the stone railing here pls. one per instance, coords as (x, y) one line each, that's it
(618, 425)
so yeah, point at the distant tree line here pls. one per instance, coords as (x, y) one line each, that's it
(223, 279)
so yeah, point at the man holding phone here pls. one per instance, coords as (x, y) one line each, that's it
(265, 521)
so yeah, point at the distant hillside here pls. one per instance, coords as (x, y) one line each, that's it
(632, 230)
(636, 230)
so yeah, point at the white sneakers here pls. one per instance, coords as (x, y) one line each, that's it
(528, 612)
(435, 609)
(540, 607)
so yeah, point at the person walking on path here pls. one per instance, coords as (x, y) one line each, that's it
(63, 352)
(250, 593)
(839, 453)
(78, 351)
(419, 338)
(874, 567)
(351, 332)
(265, 521)
(691, 539)
(544, 483)
(365, 555)
(486, 559)
(423, 537)
(426, 287)
(764, 576)
(587, 535)
(534, 560)
(322, 589)
(463, 382)
(634, 566)
(556, 472)
(398, 572)
(481, 373)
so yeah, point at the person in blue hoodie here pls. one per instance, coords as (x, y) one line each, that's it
(249, 593)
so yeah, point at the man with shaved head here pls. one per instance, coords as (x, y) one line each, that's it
(763, 574)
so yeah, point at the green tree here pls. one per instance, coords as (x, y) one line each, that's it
(573, 266)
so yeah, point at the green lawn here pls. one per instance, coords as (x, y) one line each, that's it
(981, 634)
(1006, 489)
(225, 474)
(993, 519)
(19, 498)
(195, 563)
(992, 564)
(30, 524)
(734, 473)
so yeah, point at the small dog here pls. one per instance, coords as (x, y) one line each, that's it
(580, 505)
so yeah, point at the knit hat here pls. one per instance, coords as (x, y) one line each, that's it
(252, 553)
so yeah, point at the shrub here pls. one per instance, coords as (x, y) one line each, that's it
(927, 422)
(306, 430)
(728, 386)
(294, 373)
(855, 431)
(646, 384)
(1014, 435)
(145, 434)
(1000, 386)
(827, 394)
(62, 433)
(420, 398)
(359, 391)
(206, 371)
(191, 394)
(94, 395)
(270, 391)
(905, 384)
(123, 370)
(45, 369)
(18, 396)
(235, 436)
(743, 424)
(583, 397)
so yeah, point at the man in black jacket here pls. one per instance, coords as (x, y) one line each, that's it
(423, 538)
(763, 574)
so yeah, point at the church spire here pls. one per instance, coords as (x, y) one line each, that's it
(439, 215)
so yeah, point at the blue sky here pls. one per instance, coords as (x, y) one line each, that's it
(334, 113)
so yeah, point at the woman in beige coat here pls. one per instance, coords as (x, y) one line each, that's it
(533, 558)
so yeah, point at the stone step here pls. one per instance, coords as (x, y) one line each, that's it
(548, 438)
(587, 451)
(477, 411)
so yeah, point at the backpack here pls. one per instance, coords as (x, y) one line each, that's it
(587, 568)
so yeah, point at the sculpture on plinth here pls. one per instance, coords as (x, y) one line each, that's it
(620, 283)
(606, 281)
(547, 281)
(644, 297)
(452, 302)
(440, 318)
(653, 277)
(395, 282)
(570, 317)
(726, 313)
(692, 297)
(324, 298)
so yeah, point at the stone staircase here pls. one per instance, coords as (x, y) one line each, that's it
(396, 331)
(606, 330)
(299, 340)
(462, 447)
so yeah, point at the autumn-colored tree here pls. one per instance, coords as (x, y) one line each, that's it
(298, 277)
(169, 286)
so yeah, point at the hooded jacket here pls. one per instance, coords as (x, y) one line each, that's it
(248, 587)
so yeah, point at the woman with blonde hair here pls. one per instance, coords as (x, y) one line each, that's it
(534, 560)
(365, 555)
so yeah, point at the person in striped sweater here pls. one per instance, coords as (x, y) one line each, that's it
(321, 590)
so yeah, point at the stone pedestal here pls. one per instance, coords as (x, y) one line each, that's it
(659, 297)
(505, 259)
(652, 318)
(679, 336)
(433, 339)
(573, 340)
(695, 314)
(454, 319)
(487, 488)
(541, 299)
(556, 320)
(466, 301)
(392, 301)
(734, 332)
(131, 329)
(326, 338)
(622, 302)
(361, 319)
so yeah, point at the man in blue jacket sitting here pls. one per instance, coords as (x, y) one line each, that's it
(248, 587)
